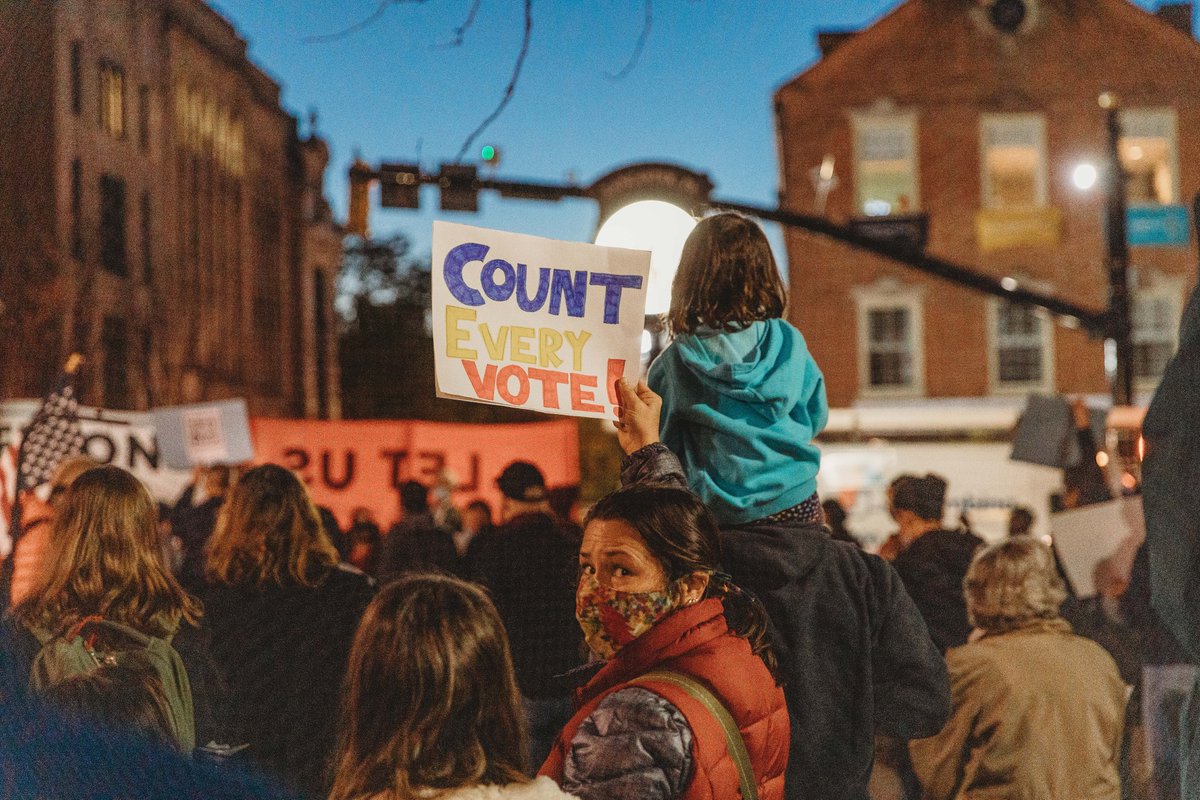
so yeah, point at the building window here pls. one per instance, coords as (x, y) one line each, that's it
(147, 252)
(115, 344)
(890, 351)
(1013, 160)
(113, 254)
(76, 78)
(112, 99)
(1022, 350)
(1150, 156)
(1155, 317)
(77, 209)
(144, 118)
(885, 148)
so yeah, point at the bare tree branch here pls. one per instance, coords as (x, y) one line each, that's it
(508, 90)
(461, 31)
(647, 24)
(358, 26)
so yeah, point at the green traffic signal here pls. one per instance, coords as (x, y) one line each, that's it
(488, 153)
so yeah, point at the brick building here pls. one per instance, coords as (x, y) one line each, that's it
(982, 115)
(159, 213)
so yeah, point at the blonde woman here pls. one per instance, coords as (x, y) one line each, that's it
(1038, 711)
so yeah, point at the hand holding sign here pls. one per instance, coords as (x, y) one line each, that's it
(535, 323)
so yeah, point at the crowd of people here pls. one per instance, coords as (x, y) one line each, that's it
(708, 630)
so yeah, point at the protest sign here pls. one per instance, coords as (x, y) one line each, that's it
(363, 463)
(204, 434)
(1097, 543)
(535, 323)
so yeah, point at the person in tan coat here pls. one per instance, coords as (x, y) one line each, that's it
(1038, 711)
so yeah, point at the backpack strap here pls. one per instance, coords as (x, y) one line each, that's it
(733, 737)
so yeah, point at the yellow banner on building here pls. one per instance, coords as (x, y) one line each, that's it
(1001, 228)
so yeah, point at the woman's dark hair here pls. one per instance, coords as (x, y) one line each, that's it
(269, 532)
(125, 696)
(727, 277)
(431, 701)
(682, 534)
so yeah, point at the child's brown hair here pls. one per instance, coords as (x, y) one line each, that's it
(727, 277)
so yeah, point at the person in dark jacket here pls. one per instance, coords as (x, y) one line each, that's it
(192, 525)
(654, 604)
(1168, 674)
(104, 561)
(283, 612)
(415, 543)
(933, 561)
(854, 652)
(529, 564)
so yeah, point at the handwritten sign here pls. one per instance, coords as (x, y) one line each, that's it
(535, 323)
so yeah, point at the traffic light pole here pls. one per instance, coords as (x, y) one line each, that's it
(1120, 322)
(464, 184)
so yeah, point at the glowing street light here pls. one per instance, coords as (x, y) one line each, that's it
(657, 226)
(1085, 176)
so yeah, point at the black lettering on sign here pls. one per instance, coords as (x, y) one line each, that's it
(136, 450)
(101, 447)
(433, 462)
(471, 484)
(297, 460)
(397, 458)
(347, 477)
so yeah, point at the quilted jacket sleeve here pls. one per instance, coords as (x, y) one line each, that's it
(654, 463)
(636, 745)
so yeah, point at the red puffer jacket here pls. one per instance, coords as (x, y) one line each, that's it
(697, 642)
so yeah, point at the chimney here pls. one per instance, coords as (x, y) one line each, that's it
(828, 41)
(1177, 15)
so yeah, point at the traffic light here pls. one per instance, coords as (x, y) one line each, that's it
(460, 191)
(400, 185)
(361, 176)
(490, 155)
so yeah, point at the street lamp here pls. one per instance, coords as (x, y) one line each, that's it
(657, 226)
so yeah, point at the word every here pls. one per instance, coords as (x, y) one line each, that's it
(500, 281)
(581, 387)
(515, 340)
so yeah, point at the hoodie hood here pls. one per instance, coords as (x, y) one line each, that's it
(740, 409)
(766, 364)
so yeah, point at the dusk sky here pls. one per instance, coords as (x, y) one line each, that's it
(700, 94)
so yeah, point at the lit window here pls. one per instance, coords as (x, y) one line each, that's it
(885, 148)
(1148, 154)
(1021, 347)
(1155, 317)
(112, 99)
(890, 352)
(237, 148)
(1014, 160)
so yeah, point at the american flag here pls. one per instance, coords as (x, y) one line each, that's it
(53, 435)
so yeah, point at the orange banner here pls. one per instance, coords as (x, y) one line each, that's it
(362, 463)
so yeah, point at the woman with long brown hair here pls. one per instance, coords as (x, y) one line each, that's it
(103, 561)
(283, 613)
(432, 707)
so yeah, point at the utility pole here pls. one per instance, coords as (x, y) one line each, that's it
(1120, 325)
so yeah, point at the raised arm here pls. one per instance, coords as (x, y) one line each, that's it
(647, 460)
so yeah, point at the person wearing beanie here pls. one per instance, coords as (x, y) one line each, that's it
(529, 565)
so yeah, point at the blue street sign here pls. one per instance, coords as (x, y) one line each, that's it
(1157, 226)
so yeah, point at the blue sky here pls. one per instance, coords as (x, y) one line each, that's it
(700, 94)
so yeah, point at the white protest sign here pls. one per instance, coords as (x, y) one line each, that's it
(535, 323)
(204, 434)
(1099, 541)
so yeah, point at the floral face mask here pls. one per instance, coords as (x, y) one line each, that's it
(611, 619)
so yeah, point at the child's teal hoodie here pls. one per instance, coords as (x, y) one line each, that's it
(740, 410)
